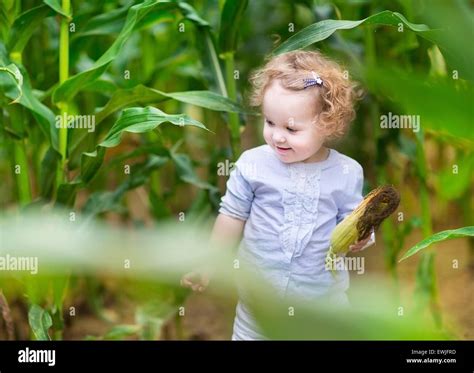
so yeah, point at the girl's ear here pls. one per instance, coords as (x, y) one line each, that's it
(316, 120)
(323, 130)
(326, 132)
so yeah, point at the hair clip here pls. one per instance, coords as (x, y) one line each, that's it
(310, 82)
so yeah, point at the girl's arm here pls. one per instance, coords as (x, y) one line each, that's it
(234, 211)
(227, 231)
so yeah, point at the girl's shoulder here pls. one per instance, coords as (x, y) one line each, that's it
(345, 175)
(262, 162)
(347, 163)
(259, 164)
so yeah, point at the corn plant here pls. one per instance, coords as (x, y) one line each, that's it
(55, 162)
(106, 103)
(184, 248)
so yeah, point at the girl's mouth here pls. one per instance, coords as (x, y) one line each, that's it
(282, 150)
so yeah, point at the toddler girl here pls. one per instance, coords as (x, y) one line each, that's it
(287, 196)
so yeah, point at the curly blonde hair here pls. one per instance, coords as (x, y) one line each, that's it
(334, 99)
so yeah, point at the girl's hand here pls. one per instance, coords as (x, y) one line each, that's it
(197, 281)
(358, 246)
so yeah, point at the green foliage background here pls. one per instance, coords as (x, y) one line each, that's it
(166, 82)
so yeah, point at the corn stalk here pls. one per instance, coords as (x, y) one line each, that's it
(230, 22)
(19, 149)
(388, 229)
(63, 76)
(426, 286)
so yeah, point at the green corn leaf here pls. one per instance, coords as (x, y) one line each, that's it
(121, 331)
(97, 248)
(446, 40)
(56, 6)
(135, 120)
(59, 286)
(312, 320)
(40, 321)
(100, 202)
(103, 24)
(67, 90)
(66, 193)
(438, 237)
(138, 152)
(323, 29)
(190, 13)
(151, 317)
(90, 165)
(206, 46)
(24, 26)
(7, 15)
(186, 173)
(110, 201)
(158, 207)
(143, 95)
(47, 176)
(454, 181)
(12, 84)
(442, 106)
(206, 99)
(139, 120)
(454, 21)
(25, 97)
(101, 86)
(230, 23)
(44, 116)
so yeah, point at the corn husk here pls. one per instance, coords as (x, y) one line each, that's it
(371, 212)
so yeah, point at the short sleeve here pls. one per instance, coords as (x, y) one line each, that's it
(239, 195)
(352, 197)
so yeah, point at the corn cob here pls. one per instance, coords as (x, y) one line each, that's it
(370, 213)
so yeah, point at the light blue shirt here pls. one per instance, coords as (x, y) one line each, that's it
(290, 212)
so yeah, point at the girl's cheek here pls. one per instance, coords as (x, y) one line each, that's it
(300, 142)
(267, 134)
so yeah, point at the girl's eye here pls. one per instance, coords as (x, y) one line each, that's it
(269, 122)
(291, 130)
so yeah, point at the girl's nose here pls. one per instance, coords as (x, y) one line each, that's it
(278, 138)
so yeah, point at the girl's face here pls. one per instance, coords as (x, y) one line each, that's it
(289, 126)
